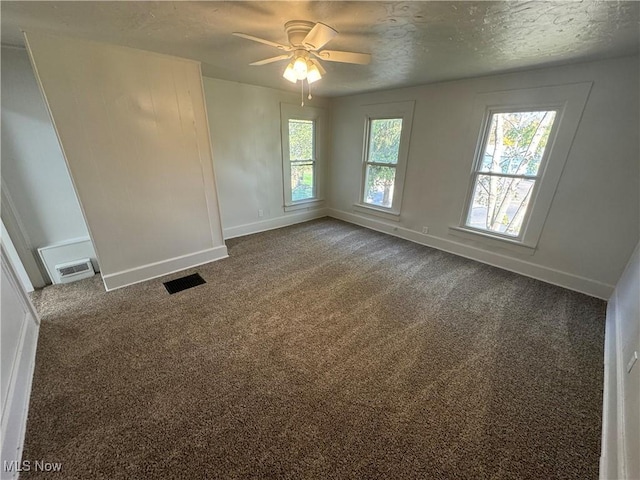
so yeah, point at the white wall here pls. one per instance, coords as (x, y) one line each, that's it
(133, 129)
(244, 129)
(244, 123)
(247, 155)
(621, 413)
(39, 206)
(593, 223)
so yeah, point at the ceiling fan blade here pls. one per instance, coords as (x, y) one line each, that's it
(262, 40)
(319, 65)
(319, 36)
(345, 57)
(272, 59)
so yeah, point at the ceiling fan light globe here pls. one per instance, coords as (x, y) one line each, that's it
(313, 74)
(290, 74)
(300, 68)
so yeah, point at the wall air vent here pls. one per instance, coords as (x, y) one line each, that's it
(65, 271)
(72, 271)
(68, 261)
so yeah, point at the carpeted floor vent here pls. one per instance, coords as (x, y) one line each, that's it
(183, 283)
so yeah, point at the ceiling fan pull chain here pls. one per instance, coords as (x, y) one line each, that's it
(302, 93)
(309, 86)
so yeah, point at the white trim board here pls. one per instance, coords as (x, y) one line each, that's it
(113, 281)
(612, 440)
(22, 242)
(273, 223)
(15, 260)
(621, 396)
(528, 269)
(16, 401)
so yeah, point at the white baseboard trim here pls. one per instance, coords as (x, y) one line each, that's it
(516, 265)
(143, 273)
(273, 223)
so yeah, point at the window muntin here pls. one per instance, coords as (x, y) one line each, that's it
(507, 170)
(383, 149)
(302, 159)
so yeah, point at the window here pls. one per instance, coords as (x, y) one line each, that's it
(302, 159)
(386, 148)
(382, 161)
(301, 156)
(518, 158)
(508, 169)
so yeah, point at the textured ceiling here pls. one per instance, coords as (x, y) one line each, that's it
(412, 43)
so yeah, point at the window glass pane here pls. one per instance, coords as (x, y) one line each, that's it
(378, 188)
(300, 140)
(499, 204)
(301, 181)
(516, 142)
(384, 140)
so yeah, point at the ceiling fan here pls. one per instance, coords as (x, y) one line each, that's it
(306, 40)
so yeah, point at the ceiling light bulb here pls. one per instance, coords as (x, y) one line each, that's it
(290, 74)
(300, 68)
(313, 74)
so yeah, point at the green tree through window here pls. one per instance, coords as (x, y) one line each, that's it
(302, 158)
(382, 160)
(507, 172)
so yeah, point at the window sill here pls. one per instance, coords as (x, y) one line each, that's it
(303, 204)
(379, 212)
(493, 240)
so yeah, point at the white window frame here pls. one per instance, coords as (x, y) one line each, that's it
(484, 136)
(383, 111)
(568, 101)
(315, 114)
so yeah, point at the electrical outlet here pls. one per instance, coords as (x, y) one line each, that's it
(425, 230)
(260, 213)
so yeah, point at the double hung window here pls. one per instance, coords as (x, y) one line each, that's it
(302, 159)
(524, 140)
(302, 140)
(508, 169)
(386, 150)
(381, 162)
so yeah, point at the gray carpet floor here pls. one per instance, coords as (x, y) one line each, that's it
(320, 351)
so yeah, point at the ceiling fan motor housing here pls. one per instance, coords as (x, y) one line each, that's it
(297, 30)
